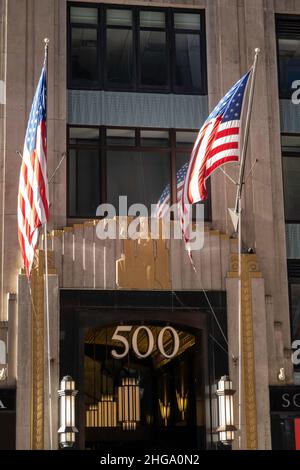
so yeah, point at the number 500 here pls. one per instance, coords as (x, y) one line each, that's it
(117, 336)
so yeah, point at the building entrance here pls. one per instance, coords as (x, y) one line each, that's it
(145, 365)
(145, 388)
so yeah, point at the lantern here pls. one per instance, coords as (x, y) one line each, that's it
(165, 411)
(181, 392)
(107, 412)
(67, 428)
(226, 428)
(129, 403)
(164, 404)
(182, 403)
(92, 416)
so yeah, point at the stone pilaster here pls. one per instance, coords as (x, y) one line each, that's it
(249, 271)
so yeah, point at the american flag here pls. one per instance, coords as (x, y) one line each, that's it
(164, 201)
(33, 202)
(217, 143)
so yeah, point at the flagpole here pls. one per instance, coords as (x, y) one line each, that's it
(46, 41)
(238, 212)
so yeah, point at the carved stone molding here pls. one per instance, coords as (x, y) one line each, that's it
(249, 271)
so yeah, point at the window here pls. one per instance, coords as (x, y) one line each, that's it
(136, 49)
(84, 36)
(84, 171)
(153, 49)
(288, 40)
(105, 163)
(119, 47)
(291, 177)
(294, 294)
(187, 51)
(295, 304)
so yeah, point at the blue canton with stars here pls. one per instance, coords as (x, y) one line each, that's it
(230, 107)
(37, 113)
(181, 173)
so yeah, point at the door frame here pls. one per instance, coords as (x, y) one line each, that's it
(82, 309)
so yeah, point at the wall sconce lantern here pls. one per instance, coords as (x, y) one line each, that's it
(226, 428)
(129, 403)
(67, 428)
(165, 411)
(181, 392)
(182, 403)
(164, 404)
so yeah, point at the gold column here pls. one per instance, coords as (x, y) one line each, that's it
(248, 272)
(38, 349)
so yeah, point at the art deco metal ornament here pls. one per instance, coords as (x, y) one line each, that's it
(226, 428)
(67, 394)
(129, 403)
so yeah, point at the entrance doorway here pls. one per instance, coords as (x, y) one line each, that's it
(152, 395)
(167, 378)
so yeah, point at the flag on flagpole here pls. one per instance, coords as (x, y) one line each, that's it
(33, 199)
(217, 143)
(164, 201)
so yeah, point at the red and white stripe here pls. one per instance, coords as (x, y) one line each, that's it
(217, 143)
(33, 199)
(165, 207)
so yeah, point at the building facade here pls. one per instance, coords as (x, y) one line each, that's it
(129, 85)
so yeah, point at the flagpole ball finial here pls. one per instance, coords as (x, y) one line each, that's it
(257, 50)
(46, 41)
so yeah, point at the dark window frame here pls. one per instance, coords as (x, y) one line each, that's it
(148, 88)
(97, 27)
(105, 84)
(172, 150)
(81, 146)
(136, 86)
(293, 267)
(285, 154)
(203, 57)
(279, 20)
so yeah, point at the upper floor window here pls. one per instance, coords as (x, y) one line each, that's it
(294, 295)
(291, 176)
(288, 43)
(105, 163)
(136, 49)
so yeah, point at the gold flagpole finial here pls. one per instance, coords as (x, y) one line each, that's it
(46, 42)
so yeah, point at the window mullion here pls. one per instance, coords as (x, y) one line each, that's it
(173, 167)
(76, 185)
(172, 51)
(102, 166)
(101, 48)
(137, 49)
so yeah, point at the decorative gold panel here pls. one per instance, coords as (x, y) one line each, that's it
(38, 349)
(248, 272)
(144, 265)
